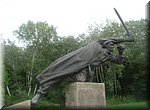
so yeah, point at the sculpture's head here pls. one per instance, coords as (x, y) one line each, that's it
(109, 44)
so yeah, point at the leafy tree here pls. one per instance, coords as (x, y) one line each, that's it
(135, 73)
(14, 68)
(39, 38)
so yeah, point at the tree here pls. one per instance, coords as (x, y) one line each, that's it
(39, 38)
(14, 69)
(135, 73)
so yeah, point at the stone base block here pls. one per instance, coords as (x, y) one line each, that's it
(85, 95)
(25, 105)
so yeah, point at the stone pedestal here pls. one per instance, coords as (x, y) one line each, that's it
(25, 105)
(85, 95)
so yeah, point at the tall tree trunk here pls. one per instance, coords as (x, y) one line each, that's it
(35, 88)
(30, 74)
(29, 90)
(8, 91)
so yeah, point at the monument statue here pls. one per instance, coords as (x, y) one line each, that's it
(78, 63)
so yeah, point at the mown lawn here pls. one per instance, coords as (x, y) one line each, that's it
(133, 105)
(113, 103)
(43, 105)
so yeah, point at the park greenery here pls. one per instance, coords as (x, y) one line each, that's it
(123, 83)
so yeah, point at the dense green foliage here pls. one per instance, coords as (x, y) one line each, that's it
(43, 46)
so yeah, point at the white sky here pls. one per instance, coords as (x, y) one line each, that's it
(71, 17)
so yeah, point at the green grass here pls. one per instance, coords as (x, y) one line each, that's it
(46, 105)
(113, 103)
(13, 100)
(133, 105)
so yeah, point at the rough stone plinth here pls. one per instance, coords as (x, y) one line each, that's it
(85, 95)
(25, 105)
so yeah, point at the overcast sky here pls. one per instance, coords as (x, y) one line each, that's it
(71, 17)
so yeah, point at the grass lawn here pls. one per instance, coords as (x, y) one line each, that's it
(133, 105)
(45, 105)
(127, 106)
(112, 104)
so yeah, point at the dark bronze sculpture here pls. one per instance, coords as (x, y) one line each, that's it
(78, 64)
